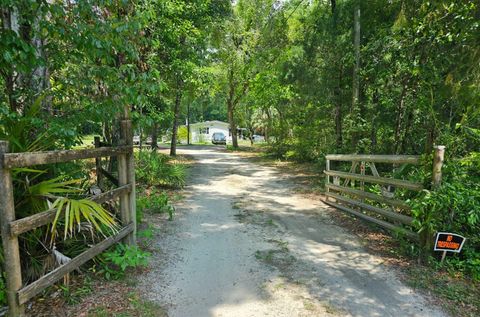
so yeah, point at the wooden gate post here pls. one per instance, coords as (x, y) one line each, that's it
(438, 156)
(10, 242)
(426, 237)
(127, 138)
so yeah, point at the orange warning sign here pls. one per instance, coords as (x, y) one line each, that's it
(449, 242)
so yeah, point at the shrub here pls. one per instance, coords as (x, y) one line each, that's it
(154, 169)
(156, 203)
(455, 207)
(119, 258)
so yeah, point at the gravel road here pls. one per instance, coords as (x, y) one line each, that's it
(244, 244)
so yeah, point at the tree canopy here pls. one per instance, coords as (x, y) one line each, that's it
(313, 77)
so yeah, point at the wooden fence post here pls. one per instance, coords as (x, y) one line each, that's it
(131, 179)
(438, 156)
(10, 242)
(327, 167)
(127, 138)
(98, 162)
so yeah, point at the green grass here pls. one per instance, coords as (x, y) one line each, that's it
(87, 141)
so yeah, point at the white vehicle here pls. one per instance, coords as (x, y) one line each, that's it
(258, 138)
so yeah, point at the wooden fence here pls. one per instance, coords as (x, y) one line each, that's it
(382, 209)
(17, 293)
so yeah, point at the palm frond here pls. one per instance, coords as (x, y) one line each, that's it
(76, 211)
(55, 186)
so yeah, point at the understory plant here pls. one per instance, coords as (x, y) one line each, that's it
(3, 291)
(455, 207)
(155, 202)
(115, 262)
(62, 187)
(156, 169)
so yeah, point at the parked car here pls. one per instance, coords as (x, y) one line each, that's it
(147, 140)
(219, 138)
(258, 138)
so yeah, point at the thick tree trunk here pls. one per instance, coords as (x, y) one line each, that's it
(233, 125)
(176, 115)
(154, 143)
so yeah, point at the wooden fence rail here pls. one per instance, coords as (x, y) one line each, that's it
(17, 293)
(390, 213)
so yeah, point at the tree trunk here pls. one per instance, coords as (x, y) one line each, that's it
(356, 68)
(10, 18)
(231, 109)
(338, 113)
(355, 112)
(188, 123)
(41, 76)
(154, 144)
(430, 139)
(269, 125)
(336, 90)
(401, 110)
(232, 123)
(266, 131)
(140, 141)
(178, 100)
(406, 131)
(373, 131)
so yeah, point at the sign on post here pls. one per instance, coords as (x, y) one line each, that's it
(449, 242)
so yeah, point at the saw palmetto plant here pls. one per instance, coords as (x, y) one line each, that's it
(78, 221)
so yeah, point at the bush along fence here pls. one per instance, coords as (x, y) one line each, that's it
(17, 293)
(379, 206)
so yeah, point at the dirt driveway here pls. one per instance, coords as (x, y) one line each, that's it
(244, 244)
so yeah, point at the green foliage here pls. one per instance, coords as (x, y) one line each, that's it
(155, 169)
(156, 202)
(146, 236)
(116, 261)
(74, 211)
(74, 295)
(147, 233)
(182, 134)
(455, 207)
(3, 290)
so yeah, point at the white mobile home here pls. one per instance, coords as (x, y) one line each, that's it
(203, 131)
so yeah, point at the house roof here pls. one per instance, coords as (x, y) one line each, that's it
(209, 123)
